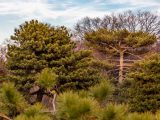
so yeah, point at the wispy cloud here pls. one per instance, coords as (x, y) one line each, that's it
(63, 12)
(45, 9)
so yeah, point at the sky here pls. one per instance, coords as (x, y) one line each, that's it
(63, 12)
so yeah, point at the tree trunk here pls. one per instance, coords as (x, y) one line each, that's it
(54, 103)
(4, 117)
(121, 66)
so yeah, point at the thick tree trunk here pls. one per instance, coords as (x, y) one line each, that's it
(121, 66)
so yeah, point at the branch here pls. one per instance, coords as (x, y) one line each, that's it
(4, 117)
(135, 55)
(53, 103)
(114, 48)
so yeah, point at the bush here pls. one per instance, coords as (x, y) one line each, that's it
(34, 112)
(102, 90)
(114, 112)
(11, 101)
(73, 107)
(142, 116)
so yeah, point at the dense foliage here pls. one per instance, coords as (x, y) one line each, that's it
(144, 88)
(41, 46)
(11, 101)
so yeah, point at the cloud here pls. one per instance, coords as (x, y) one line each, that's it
(43, 9)
(136, 2)
(24, 7)
(63, 12)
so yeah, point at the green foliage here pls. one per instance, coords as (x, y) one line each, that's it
(11, 101)
(114, 112)
(115, 38)
(102, 90)
(38, 46)
(73, 107)
(141, 116)
(41, 46)
(35, 112)
(118, 43)
(144, 88)
(158, 115)
(47, 78)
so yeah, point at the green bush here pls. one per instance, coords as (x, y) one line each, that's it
(73, 107)
(102, 90)
(158, 115)
(11, 101)
(141, 116)
(114, 112)
(35, 112)
(47, 78)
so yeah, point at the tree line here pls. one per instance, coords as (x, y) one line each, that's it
(46, 75)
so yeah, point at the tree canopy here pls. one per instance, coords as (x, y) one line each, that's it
(118, 42)
(39, 46)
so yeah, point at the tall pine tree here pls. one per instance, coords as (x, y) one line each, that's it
(118, 42)
(40, 46)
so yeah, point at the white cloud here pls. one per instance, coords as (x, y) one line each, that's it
(43, 10)
(136, 2)
(23, 7)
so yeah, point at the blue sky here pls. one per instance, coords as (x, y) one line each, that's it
(63, 12)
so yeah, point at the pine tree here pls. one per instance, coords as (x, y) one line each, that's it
(144, 88)
(119, 42)
(39, 46)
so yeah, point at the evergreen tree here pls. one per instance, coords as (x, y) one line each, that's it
(40, 46)
(119, 42)
(144, 88)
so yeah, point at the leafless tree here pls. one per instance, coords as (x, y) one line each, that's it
(133, 21)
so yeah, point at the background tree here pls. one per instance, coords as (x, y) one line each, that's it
(145, 21)
(3, 70)
(144, 88)
(119, 42)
